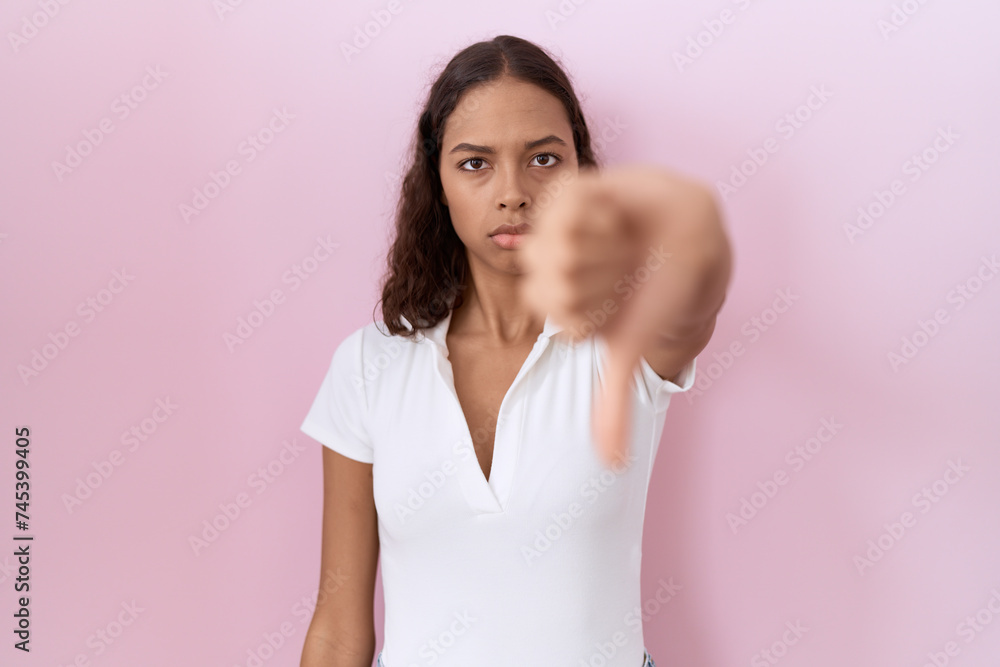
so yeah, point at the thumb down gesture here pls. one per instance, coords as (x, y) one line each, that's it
(638, 255)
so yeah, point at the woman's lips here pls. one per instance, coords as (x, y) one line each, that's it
(508, 241)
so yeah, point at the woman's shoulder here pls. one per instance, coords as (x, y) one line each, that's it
(374, 334)
(368, 342)
(367, 352)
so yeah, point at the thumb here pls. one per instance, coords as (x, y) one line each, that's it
(627, 338)
(613, 412)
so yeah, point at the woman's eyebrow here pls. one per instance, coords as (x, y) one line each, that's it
(528, 145)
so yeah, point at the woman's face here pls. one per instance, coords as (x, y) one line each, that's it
(504, 145)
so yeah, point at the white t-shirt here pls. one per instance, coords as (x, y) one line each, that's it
(537, 566)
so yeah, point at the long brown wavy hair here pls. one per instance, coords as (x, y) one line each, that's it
(426, 263)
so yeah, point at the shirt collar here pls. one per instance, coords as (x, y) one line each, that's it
(439, 331)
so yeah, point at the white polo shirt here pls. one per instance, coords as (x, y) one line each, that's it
(537, 566)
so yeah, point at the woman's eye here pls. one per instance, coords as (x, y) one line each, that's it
(472, 160)
(548, 157)
(477, 163)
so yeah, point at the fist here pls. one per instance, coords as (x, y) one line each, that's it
(592, 237)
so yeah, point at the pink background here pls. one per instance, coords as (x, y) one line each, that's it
(332, 172)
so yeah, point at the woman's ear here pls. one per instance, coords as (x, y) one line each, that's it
(444, 200)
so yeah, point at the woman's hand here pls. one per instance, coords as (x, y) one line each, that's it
(639, 254)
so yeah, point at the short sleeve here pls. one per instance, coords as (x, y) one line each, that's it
(337, 416)
(651, 389)
(660, 390)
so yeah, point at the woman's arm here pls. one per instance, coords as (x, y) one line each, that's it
(640, 253)
(342, 631)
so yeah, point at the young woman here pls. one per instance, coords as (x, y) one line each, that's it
(491, 439)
